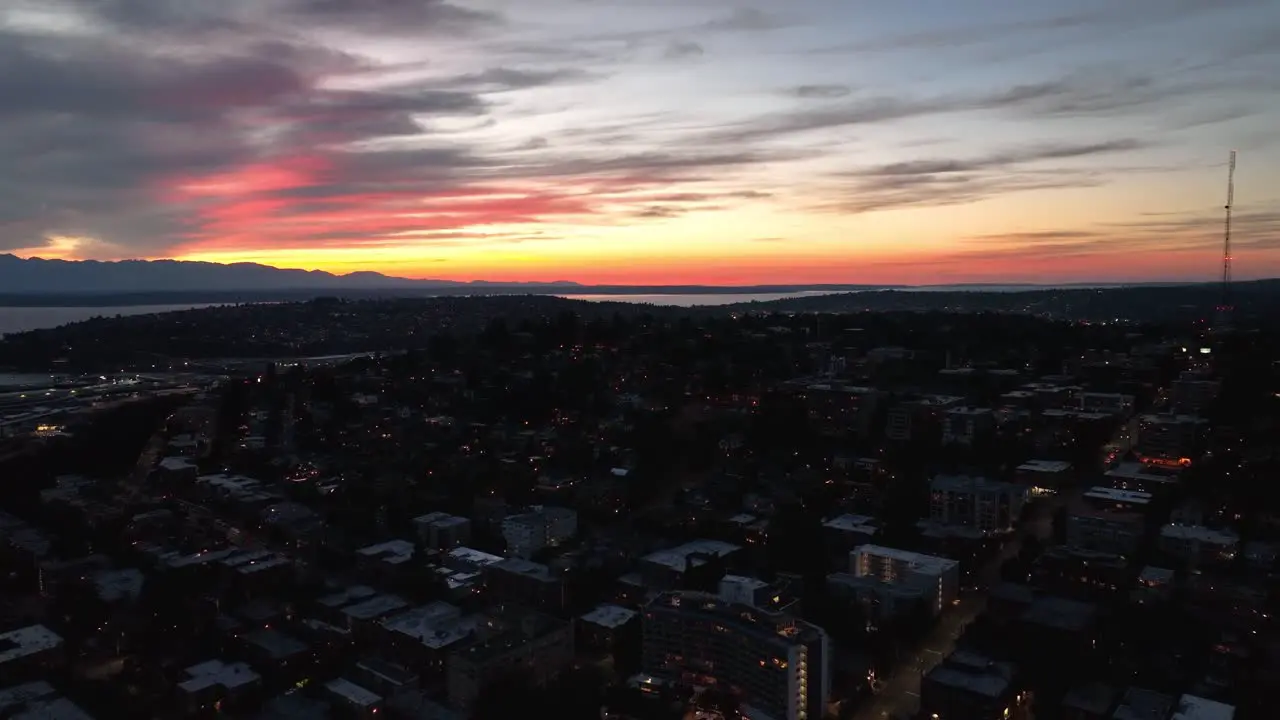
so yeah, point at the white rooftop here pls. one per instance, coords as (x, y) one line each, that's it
(852, 523)
(215, 672)
(610, 616)
(1192, 707)
(436, 625)
(676, 557)
(27, 641)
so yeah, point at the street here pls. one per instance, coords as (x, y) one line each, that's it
(900, 694)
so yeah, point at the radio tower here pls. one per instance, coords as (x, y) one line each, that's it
(1224, 310)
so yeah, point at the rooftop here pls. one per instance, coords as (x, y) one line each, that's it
(26, 641)
(375, 607)
(347, 596)
(852, 523)
(989, 679)
(677, 558)
(1199, 533)
(115, 585)
(918, 561)
(353, 693)
(1140, 704)
(1192, 707)
(527, 568)
(1106, 494)
(436, 625)
(1060, 613)
(1045, 466)
(473, 557)
(610, 616)
(217, 673)
(394, 552)
(1094, 698)
(275, 644)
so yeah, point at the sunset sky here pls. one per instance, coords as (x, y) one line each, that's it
(646, 141)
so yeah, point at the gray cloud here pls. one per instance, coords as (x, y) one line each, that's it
(823, 92)
(936, 182)
(681, 49)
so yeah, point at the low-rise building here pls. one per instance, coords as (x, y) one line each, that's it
(1198, 545)
(887, 581)
(537, 645)
(543, 526)
(969, 686)
(442, 531)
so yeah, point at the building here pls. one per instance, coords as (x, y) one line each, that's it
(1193, 392)
(442, 531)
(38, 701)
(887, 581)
(356, 700)
(780, 665)
(1170, 438)
(1043, 477)
(1107, 520)
(836, 408)
(513, 640)
(976, 503)
(967, 425)
(1142, 478)
(423, 637)
(1112, 403)
(614, 631)
(28, 652)
(1198, 545)
(1154, 584)
(516, 580)
(215, 684)
(698, 562)
(916, 417)
(968, 686)
(543, 526)
(1192, 707)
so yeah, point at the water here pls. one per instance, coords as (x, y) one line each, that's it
(695, 299)
(20, 319)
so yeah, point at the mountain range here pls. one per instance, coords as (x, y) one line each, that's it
(57, 277)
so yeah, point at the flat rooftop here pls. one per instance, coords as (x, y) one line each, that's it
(353, 693)
(610, 616)
(375, 607)
(852, 523)
(217, 673)
(26, 641)
(678, 557)
(1129, 497)
(1045, 466)
(918, 561)
(1199, 533)
(1192, 707)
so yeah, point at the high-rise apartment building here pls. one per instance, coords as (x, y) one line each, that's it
(780, 666)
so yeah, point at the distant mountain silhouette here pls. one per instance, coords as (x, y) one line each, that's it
(50, 277)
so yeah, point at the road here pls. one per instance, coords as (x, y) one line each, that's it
(899, 697)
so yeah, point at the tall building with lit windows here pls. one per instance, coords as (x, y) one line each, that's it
(779, 666)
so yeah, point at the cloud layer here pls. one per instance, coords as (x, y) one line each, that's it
(400, 133)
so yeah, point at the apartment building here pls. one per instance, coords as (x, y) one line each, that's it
(780, 665)
(511, 639)
(442, 531)
(887, 581)
(978, 503)
(543, 526)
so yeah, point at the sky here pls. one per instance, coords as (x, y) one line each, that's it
(724, 142)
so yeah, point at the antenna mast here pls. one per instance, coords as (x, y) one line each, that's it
(1226, 235)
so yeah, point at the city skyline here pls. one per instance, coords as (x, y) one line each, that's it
(696, 142)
